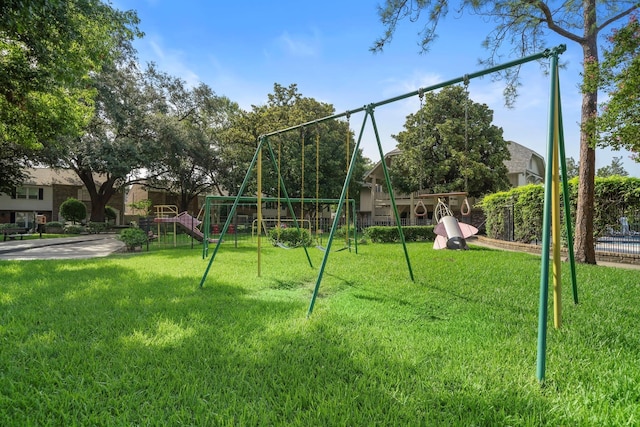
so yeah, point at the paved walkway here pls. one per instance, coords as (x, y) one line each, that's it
(77, 247)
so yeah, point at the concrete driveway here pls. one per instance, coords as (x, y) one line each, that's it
(77, 247)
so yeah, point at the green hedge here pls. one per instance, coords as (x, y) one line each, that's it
(386, 234)
(290, 236)
(614, 196)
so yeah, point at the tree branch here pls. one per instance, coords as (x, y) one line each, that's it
(616, 17)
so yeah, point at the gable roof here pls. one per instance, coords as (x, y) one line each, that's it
(50, 176)
(520, 157)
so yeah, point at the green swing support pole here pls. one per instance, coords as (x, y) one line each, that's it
(391, 196)
(233, 210)
(567, 204)
(334, 226)
(555, 149)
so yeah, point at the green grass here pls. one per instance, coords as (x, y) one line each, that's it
(132, 340)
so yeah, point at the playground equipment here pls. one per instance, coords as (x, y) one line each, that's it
(450, 233)
(168, 214)
(551, 218)
(267, 223)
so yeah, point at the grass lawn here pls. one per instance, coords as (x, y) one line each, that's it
(132, 340)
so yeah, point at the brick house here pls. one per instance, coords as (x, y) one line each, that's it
(43, 193)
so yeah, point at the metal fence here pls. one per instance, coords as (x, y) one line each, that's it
(623, 238)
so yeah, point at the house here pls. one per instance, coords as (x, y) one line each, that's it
(138, 192)
(525, 167)
(43, 193)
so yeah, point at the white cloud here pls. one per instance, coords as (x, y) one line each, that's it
(172, 62)
(299, 45)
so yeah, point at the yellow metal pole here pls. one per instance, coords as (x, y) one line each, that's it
(555, 228)
(259, 206)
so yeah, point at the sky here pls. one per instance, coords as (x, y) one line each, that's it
(241, 49)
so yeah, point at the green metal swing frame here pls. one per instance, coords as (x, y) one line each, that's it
(551, 218)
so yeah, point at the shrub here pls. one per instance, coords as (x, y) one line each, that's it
(97, 227)
(342, 231)
(614, 196)
(73, 210)
(110, 213)
(54, 227)
(73, 229)
(133, 237)
(387, 234)
(290, 236)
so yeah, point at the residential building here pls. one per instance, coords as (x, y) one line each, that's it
(43, 193)
(525, 167)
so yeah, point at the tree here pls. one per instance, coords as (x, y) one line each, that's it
(286, 107)
(48, 50)
(189, 123)
(523, 25)
(73, 210)
(118, 141)
(619, 121)
(438, 157)
(615, 168)
(572, 168)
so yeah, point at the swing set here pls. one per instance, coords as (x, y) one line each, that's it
(551, 242)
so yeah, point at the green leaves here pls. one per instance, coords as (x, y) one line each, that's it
(451, 145)
(619, 121)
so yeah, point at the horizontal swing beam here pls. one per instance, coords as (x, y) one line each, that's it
(248, 199)
(547, 53)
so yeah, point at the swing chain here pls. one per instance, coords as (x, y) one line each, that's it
(466, 130)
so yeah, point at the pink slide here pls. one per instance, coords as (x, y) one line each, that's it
(186, 221)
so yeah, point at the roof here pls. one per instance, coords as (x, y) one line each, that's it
(520, 157)
(391, 153)
(49, 177)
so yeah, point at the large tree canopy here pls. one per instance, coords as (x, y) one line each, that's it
(119, 139)
(523, 25)
(451, 145)
(619, 122)
(286, 107)
(190, 124)
(48, 48)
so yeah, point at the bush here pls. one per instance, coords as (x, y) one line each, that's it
(614, 196)
(74, 229)
(290, 236)
(525, 203)
(387, 234)
(133, 237)
(54, 227)
(97, 227)
(110, 213)
(73, 210)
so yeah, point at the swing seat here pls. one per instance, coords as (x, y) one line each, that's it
(282, 245)
(322, 248)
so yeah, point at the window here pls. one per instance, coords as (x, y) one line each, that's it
(24, 219)
(29, 193)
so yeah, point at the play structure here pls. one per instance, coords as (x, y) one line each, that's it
(450, 233)
(261, 226)
(168, 214)
(556, 163)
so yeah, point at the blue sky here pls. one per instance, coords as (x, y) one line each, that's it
(240, 49)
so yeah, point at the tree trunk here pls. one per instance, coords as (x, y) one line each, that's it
(97, 208)
(584, 246)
